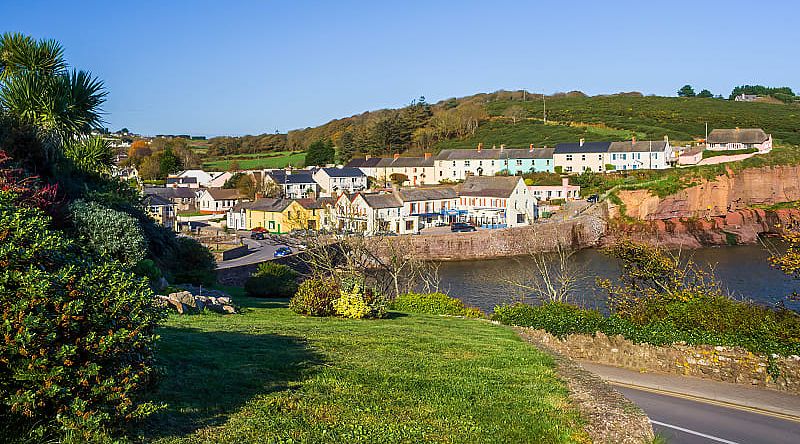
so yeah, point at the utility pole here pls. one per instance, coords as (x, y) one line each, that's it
(544, 109)
(706, 139)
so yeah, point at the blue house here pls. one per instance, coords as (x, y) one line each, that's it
(520, 161)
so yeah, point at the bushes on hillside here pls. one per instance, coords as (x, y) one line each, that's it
(272, 280)
(192, 262)
(327, 296)
(77, 337)
(433, 303)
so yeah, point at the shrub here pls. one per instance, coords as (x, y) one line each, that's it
(557, 318)
(315, 297)
(108, 232)
(192, 263)
(433, 303)
(272, 279)
(358, 301)
(77, 336)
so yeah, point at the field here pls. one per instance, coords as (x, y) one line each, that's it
(256, 161)
(270, 375)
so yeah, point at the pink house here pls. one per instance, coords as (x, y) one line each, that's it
(564, 191)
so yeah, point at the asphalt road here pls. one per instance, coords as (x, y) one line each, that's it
(260, 251)
(683, 421)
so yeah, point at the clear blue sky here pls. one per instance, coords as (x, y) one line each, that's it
(248, 67)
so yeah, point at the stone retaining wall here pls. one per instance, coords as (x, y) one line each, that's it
(726, 364)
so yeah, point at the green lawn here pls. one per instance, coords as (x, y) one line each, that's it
(271, 375)
(252, 162)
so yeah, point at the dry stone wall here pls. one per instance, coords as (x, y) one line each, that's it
(726, 364)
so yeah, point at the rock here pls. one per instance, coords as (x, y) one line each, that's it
(184, 297)
(229, 309)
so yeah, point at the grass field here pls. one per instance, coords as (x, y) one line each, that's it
(271, 375)
(257, 161)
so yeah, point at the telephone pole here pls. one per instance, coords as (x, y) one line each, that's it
(544, 109)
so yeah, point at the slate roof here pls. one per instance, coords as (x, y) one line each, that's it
(470, 154)
(177, 180)
(402, 162)
(738, 135)
(156, 200)
(422, 194)
(270, 204)
(378, 201)
(296, 177)
(343, 172)
(638, 146)
(316, 204)
(489, 186)
(363, 162)
(521, 153)
(171, 193)
(577, 148)
(224, 193)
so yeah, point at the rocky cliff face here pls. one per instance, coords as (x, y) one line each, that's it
(717, 212)
(732, 192)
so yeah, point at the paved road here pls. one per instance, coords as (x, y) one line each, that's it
(260, 251)
(684, 421)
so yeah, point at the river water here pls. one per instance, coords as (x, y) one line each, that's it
(743, 271)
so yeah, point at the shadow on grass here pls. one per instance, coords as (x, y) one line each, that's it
(210, 375)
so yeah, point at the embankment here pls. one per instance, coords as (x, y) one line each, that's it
(714, 212)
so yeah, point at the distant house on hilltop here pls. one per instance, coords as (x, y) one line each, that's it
(739, 139)
(746, 98)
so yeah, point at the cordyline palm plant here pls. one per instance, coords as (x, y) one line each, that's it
(38, 89)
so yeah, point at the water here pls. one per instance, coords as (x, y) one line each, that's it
(743, 271)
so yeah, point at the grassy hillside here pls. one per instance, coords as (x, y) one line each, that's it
(270, 375)
(256, 161)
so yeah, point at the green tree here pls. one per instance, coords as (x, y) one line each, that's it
(347, 147)
(706, 94)
(686, 91)
(320, 153)
(90, 154)
(169, 163)
(515, 112)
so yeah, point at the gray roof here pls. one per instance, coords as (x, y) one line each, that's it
(422, 194)
(638, 146)
(343, 172)
(363, 162)
(401, 162)
(470, 154)
(577, 148)
(156, 201)
(489, 186)
(280, 177)
(269, 204)
(522, 153)
(379, 201)
(171, 192)
(224, 193)
(738, 135)
(173, 180)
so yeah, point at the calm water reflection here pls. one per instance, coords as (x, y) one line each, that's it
(743, 270)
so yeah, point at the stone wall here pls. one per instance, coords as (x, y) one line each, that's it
(581, 232)
(726, 364)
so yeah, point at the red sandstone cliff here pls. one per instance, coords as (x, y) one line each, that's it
(716, 212)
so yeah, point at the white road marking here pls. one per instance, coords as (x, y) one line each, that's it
(692, 432)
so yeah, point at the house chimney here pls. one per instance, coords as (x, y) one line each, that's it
(502, 147)
(531, 149)
(666, 138)
(396, 156)
(288, 171)
(367, 157)
(581, 141)
(737, 129)
(480, 146)
(633, 140)
(259, 196)
(565, 181)
(427, 156)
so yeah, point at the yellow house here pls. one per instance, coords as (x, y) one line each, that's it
(282, 215)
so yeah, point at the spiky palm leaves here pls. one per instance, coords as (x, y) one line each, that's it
(90, 154)
(37, 89)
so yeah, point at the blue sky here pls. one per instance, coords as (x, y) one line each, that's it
(248, 67)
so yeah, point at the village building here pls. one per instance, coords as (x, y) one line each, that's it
(739, 139)
(161, 210)
(277, 215)
(549, 192)
(403, 171)
(182, 182)
(531, 160)
(219, 179)
(184, 199)
(367, 164)
(637, 155)
(497, 201)
(217, 200)
(455, 164)
(294, 184)
(201, 178)
(335, 180)
(581, 156)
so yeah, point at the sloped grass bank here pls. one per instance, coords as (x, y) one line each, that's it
(271, 375)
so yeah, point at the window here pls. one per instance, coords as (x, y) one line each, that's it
(466, 163)
(569, 157)
(568, 169)
(623, 156)
(409, 225)
(519, 162)
(614, 156)
(454, 163)
(583, 157)
(480, 163)
(600, 157)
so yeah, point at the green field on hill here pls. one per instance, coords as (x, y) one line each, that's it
(270, 375)
(256, 161)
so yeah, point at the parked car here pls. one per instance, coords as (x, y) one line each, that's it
(594, 198)
(461, 227)
(258, 233)
(282, 251)
(385, 233)
(440, 223)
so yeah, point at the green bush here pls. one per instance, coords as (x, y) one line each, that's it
(192, 263)
(433, 303)
(358, 302)
(108, 232)
(77, 334)
(557, 318)
(315, 297)
(272, 280)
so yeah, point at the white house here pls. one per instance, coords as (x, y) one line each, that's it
(236, 217)
(217, 200)
(581, 156)
(219, 179)
(739, 139)
(201, 177)
(297, 184)
(497, 201)
(428, 204)
(459, 164)
(548, 192)
(340, 179)
(637, 155)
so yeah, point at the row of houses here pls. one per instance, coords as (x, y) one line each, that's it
(458, 164)
(485, 201)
